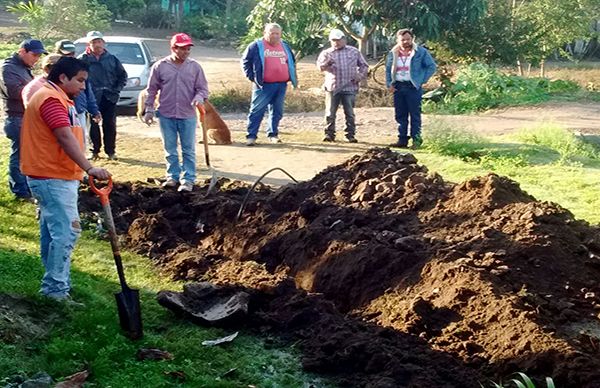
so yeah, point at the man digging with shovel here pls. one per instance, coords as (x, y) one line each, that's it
(53, 159)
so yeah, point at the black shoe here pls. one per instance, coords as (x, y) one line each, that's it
(398, 145)
(95, 156)
(329, 139)
(26, 198)
(352, 139)
(112, 157)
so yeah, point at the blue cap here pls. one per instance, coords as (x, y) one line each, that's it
(33, 45)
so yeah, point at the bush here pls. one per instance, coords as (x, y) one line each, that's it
(152, 17)
(209, 27)
(480, 87)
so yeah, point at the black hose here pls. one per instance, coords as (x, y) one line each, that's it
(239, 213)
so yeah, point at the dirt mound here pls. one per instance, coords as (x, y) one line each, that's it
(389, 276)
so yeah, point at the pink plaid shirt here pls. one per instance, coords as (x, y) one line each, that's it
(344, 68)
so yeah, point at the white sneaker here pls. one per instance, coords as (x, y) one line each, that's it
(187, 186)
(275, 140)
(250, 141)
(170, 182)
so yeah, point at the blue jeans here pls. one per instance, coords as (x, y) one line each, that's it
(185, 131)
(270, 96)
(59, 230)
(407, 102)
(16, 180)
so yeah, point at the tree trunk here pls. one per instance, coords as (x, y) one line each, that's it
(179, 16)
(228, 10)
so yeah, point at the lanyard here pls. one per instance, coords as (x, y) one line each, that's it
(404, 58)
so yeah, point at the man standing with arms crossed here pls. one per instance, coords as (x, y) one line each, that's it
(183, 87)
(16, 73)
(344, 67)
(108, 77)
(53, 160)
(269, 64)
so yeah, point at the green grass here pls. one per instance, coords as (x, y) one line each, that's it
(548, 161)
(90, 338)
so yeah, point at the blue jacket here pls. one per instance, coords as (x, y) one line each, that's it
(253, 62)
(422, 67)
(86, 101)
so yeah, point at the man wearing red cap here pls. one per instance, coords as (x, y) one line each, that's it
(183, 87)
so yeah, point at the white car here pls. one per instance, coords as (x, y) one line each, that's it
(135, 56)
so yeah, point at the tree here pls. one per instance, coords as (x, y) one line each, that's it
(302, 23)
(553, 23)
(62, 18)
(430, 19)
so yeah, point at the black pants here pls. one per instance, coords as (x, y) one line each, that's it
(108, 110)
(332, 102)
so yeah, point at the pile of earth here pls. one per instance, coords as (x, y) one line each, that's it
(385, 275)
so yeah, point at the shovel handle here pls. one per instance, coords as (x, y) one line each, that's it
(202, 112)
(103, 192)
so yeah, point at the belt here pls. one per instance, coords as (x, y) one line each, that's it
(407, 83)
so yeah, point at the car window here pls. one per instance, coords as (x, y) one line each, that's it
(128, 53)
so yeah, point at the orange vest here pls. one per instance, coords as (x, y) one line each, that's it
(41, 154)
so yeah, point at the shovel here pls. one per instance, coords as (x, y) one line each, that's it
(128, 300)
(213, 178)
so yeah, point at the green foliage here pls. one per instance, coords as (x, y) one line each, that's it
(480, 87)
(445, 139)
(552, 23)
(7, 49)
(62, 18)
(302, 22)
(521, 381)
(214, 23)
(30, 13)
(152, 17)
(430, 19)
(120, 8)
(570, 147)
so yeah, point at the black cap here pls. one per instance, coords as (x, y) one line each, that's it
(33, 45)
(64, 47)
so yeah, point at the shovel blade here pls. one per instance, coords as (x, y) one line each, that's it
(130, 313)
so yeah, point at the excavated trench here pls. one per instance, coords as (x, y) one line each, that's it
(385, 275)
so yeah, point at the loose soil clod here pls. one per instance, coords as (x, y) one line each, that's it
(389, 276)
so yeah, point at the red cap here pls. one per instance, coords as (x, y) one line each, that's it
(181, 40)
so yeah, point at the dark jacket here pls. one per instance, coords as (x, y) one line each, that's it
(253, 62)
(14, 76)
(106, 74)
(86, 101)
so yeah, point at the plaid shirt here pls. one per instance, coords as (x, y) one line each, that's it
(344, 68)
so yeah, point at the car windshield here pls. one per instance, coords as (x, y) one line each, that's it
(128, 53)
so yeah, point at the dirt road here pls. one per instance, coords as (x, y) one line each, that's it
(303, 154)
